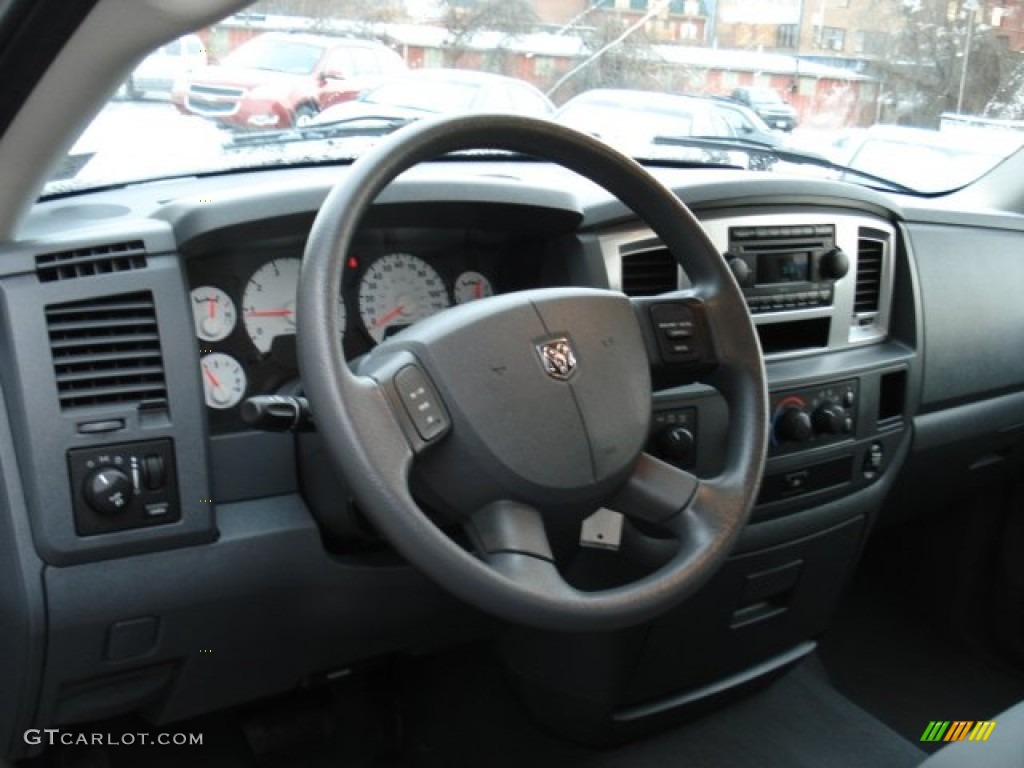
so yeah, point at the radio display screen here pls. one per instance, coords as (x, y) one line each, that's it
(783, 268)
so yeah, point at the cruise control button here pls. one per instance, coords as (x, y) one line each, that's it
(421, 402)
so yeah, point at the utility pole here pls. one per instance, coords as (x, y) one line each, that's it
(971, 6)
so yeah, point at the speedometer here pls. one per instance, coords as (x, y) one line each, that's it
(397, 290)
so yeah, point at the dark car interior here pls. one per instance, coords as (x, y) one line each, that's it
(685, 467)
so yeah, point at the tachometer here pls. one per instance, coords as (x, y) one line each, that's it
(268, 303)
(397, 290)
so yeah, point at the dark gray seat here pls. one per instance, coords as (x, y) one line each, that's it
(1004, 748)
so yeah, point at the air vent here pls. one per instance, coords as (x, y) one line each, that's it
(86, 262)
(648, 273)
(870, 253)
(106, 351)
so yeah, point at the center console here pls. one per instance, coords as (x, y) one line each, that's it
(821, 287)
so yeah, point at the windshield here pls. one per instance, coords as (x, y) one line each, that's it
(424, 94)
(835, 80)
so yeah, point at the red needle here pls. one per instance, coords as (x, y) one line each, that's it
(212, 307)
(270, 313)
(478, 289)
(213, 379)
(388, 317)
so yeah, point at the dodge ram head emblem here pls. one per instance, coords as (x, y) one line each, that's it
(557, 358)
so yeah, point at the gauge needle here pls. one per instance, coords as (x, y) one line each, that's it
(270, 313)
(213, 379)
(387, 317)
(212, 307)
(478, 289)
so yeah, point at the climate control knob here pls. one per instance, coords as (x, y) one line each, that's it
(829, 419)
(108, 490)
(793, 425)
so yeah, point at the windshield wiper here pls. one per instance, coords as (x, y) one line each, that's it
(795, 156)
(361, 125)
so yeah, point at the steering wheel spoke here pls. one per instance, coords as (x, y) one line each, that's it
(656, 492)
(678, 336)
(511, 538)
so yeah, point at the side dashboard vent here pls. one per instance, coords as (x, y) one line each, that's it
(648, 273)
(870, 256)
(106, 351)
(86, 262)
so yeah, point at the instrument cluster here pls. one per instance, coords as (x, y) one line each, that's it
(243, 303)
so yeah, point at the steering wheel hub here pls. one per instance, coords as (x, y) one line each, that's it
(549, 396)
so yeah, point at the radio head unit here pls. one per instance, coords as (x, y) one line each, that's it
(785, 268)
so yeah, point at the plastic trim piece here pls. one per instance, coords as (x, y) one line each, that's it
(748, 675)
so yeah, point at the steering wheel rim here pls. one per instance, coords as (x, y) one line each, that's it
(368, 435)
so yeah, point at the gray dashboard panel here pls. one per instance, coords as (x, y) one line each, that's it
(973, 315)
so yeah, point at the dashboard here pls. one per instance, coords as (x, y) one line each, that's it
(136, 322)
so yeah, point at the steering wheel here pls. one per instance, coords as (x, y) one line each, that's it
(524, 411)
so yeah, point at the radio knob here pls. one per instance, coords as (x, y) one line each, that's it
(834, 264)
(793, 425)
(739, 268)
(829, 419)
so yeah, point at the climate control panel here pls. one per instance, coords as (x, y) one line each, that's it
(812, 416)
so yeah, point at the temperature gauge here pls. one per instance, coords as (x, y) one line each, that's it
(223, 380)
(470, 286)
(213, 312)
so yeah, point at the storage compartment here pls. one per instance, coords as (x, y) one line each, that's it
(892, 396)
(793, 335)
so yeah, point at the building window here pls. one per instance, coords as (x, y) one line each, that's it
(830, 38)
(638, 5)
(786, 35)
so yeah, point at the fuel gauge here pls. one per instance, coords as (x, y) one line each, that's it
(223, 380)
(213, 312)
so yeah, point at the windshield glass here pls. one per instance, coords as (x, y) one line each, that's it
(423, 94)
(923, 94)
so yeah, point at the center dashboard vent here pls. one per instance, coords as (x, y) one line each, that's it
(648, 273)
(106, 351)
(870, 256)
(86, 262)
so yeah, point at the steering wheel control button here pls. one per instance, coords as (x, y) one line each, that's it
(125, 486)
(421, 402)
(678, 333)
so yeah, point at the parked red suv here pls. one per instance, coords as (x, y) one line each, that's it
(279, 80)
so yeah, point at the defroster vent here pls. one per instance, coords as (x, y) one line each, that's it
(870, 256)
(648, 273)
(95, 260)
(106, 351)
